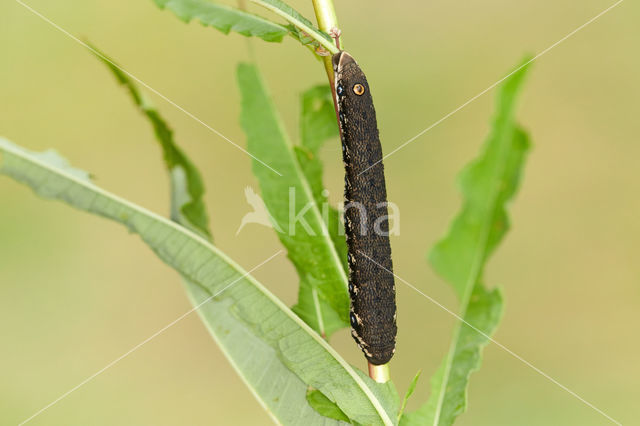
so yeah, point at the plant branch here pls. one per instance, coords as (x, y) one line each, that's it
(325, 14)
(310, 31)
(327, 20)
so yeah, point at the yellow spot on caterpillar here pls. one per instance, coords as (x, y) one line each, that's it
(358, 89)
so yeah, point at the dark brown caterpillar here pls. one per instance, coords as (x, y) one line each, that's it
(371, 285)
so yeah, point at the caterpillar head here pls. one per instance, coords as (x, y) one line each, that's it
(352, 88)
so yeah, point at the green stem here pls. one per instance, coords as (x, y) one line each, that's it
(327, 20)
(301, 25)
(325, 14)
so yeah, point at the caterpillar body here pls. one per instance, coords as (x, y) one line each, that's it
(371, 285)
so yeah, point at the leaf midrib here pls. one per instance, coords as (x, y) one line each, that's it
(309, 195)
(324, 230)
(471, 281)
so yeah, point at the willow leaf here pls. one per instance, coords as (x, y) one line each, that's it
(275, 326)
(488, 184)
(318, 124)
(187, 188)
(225, 18)
(230, 333)
(410, 390)
(318, 121)
(301, 28)
(323, 300)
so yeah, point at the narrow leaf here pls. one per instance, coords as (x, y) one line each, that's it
(232, 335)
(187, 206)
(318, 124)
(225, 18)
(318, 118)
(292, 203)
(407, 395)
(301, 28)
(488, 183)
(278, 329)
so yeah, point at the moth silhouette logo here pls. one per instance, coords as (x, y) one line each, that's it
(259, 215)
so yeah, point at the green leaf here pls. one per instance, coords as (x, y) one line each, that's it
(325, 406)
(219, 283)
(318, 124)
(449, 383)
(288, 13)
(323, 300)
(488, 184)
(187, 206)
(301, 28)
(225, 18)
(382, 391)
(407, 395)
(318, 119)
(230, 333)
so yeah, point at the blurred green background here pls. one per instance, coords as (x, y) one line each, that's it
(77, 291)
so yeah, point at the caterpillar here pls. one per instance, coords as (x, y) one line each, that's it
(371, 285)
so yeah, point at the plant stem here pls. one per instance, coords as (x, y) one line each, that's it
(311, 32)
(327, 20)
(325, 14)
